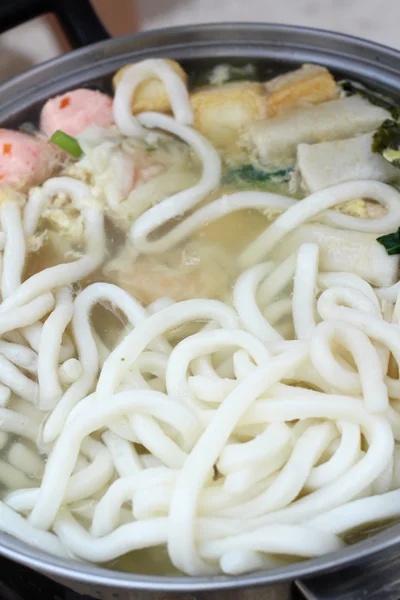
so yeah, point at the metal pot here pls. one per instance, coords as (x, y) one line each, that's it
(368, 568)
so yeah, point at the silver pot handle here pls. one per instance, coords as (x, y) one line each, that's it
(377, 578)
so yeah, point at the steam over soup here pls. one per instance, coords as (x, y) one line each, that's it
(199, 325)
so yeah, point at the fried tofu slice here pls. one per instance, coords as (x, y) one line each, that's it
(223, 112)
(311, 84)
(277, 138)
(355, 252)
(151, 95)
(329, 163)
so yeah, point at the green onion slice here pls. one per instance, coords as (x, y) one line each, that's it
(66, 142)
(391, 242)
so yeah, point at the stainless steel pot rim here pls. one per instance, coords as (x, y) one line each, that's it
(240, 38)
(92, 574)
(75, 66)
(227, 26)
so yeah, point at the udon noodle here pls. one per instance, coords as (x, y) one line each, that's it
(192, 362)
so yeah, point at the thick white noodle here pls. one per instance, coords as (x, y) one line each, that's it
(292, 477)
(390, 294)
(304, 291)
(178, 204)
(358, 513)
(308, 404)
(278, 311)
(20, 384)
(195, 426)
(14, 251)
(33, 333)
(260, 449)
(122, 358)
(26, 460)
(362, 315)
(66, 273)
(70, 371)
(29, 314)
(3, 439)
(238, 562)
(20, 355)
(203, 343)
(327, 280)
(91, 415)
(277, 281)
(192, 476)
(15, 525)
(227, 204)
(244, 300)
(136, 74)
(82, 484)
(133, 536)
(238, 482)
(275, 539)
(11, 477)
(369, 380)
(317, 203)
(18, 424)
(107, 513)
(125, 458)
(87, 348)
(5, 395)
(36, 203)
(343, 458)
(383, 193)
(50, 389)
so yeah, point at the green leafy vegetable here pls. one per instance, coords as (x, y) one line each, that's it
(386, 141)
(391, 242)
(66, 142)
(252, 174)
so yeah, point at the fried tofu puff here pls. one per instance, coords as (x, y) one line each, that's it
(311, 84)
(151, 95)
(222, 113)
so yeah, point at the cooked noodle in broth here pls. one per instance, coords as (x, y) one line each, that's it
(199, 325)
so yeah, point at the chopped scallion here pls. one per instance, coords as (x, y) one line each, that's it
(66, 142)
(391, 242)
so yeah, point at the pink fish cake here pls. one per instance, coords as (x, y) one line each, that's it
(25, 160)
(74, 111)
